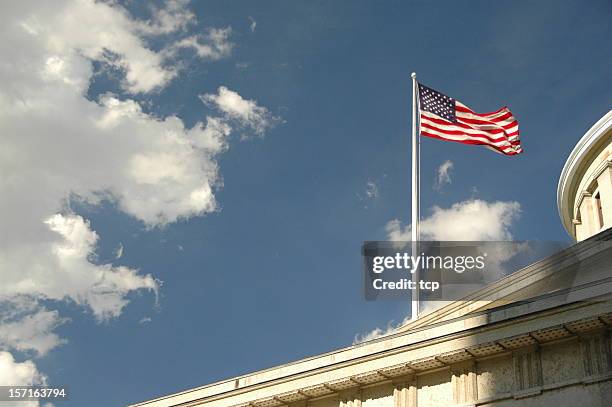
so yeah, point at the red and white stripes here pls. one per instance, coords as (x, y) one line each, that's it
(497, 130)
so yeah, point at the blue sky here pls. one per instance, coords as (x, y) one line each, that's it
(273, 274)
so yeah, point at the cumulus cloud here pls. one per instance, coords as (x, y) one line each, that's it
(105, 32)
(25, 326)
(471, 220)
(214, 45)
(253, 25)
(245, 112)
(171, 17)
(13, 373)
(99, 31)
(443, 176)
(59, 145)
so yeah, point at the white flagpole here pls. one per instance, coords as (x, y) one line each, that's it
(415, 194)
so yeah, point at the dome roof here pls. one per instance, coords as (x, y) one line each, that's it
(576, 164)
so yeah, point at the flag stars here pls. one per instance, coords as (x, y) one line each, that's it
(437, 103)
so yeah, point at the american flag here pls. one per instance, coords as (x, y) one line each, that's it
(445, 118)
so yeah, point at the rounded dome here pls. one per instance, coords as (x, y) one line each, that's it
(584, 194)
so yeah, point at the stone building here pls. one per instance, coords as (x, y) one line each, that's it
(539, 337)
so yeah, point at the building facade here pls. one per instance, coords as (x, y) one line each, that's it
(539, 337)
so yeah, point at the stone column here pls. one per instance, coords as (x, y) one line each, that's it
(527, 370)
(405, 392)
(595, 348)
(463, 380)
(604, 185)
(589, 224)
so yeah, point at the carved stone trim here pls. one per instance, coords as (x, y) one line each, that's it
(527, 369)
(405, 393)
(526, 366)
(463, 380)
(595, 348)
(350, 398)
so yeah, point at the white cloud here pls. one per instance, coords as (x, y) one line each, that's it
(174, 16)
(119, 251)
(375, 334)
(214, 45)
(253, 25)
(99, 31)
(246, 112)
(145, 320)
(443, 175)
(29, 327)
(58, 145)
(371, 190)
(105, 32)
(380, 332)
(471, 220)
(13, 373)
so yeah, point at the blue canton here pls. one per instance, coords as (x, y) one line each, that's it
(437, 103)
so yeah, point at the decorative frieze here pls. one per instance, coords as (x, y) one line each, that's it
(342, 384)
(527, 369)
(398, 370)
(551, 334)
(463, 380)
(292, 397)
(317, 390)
(368, 378)
(525, 373)
(485, 349)
(517, 342)
(595, 348)
(350, 398)
(405, 392)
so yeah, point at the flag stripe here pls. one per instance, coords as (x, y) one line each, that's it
(447, 119)
(501, 117)
(476, 142)
(468, 140)
(509, 122)
(463, 108)
(460, 135)
(435, 120)
(462, 132)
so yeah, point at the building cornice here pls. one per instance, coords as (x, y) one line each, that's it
(480, 339)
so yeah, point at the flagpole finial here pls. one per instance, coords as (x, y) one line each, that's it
(413, 75)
